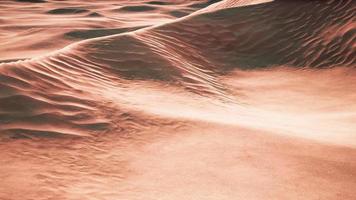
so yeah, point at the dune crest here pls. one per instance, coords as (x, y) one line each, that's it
(233, 99)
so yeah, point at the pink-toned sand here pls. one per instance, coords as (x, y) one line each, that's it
(177, 100)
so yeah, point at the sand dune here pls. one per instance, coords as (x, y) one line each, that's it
(235, 99)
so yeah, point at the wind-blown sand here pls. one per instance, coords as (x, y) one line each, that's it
(238, 100)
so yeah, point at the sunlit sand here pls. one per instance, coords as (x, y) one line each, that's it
(172, 100)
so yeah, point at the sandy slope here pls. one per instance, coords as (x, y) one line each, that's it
(168, 113)
(205, 161)
(226, 162)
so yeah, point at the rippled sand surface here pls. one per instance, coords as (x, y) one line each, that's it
(30, 28)
(211, 100)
